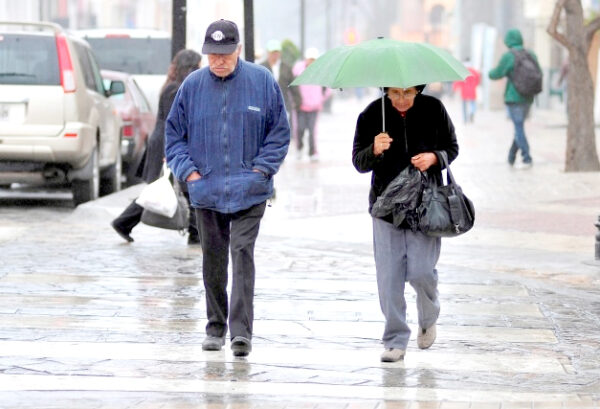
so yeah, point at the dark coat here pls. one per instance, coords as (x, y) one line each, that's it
(291, 95)
(152, 161)
(426, 128)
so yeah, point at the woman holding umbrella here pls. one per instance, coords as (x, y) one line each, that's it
(401, 130)
(418, 130)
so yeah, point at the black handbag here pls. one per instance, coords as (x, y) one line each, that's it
(179, 221)
(445, 211)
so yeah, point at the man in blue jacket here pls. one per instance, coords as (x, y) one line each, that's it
(226, 135)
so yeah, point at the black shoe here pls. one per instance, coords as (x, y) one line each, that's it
(212, 343)
(241, 346)
(194, 240)
(125, 235)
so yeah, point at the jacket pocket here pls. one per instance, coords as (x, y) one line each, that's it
(203, 192)
(258, 184)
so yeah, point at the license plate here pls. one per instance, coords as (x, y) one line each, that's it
(13, 113)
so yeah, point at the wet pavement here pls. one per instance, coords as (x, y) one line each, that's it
(89, 321)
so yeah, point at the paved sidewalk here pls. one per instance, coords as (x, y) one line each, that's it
(89, 321)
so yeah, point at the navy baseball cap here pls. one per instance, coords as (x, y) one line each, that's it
(222, 37)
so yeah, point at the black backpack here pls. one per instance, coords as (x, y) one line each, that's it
(526, 75)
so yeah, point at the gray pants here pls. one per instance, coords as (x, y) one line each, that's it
(219, 232)
(402, 255)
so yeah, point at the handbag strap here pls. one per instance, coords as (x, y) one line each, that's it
(443, 157)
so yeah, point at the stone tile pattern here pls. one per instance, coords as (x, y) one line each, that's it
(88, 320)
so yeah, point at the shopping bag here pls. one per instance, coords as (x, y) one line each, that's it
(179, 221)
(159, 196)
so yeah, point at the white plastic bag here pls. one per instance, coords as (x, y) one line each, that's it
(159, 196)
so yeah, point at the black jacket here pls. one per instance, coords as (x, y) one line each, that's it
(152, 162)
(426, 128)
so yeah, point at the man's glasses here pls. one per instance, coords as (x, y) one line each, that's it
(405, 94)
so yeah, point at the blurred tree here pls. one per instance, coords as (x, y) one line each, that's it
(582, 154)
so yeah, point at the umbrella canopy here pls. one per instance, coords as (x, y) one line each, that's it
(383, 63)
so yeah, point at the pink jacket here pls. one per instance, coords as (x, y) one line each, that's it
(313, 96)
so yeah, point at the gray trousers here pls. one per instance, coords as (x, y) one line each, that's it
(402, 255)
(220, 232)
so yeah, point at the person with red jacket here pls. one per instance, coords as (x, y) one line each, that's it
(468, 93)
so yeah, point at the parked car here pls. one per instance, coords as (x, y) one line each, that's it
(57, 123)
(145, 54)
(136, 114)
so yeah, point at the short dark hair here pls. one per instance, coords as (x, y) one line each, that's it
(419, 88)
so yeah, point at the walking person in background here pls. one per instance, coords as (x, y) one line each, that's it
(518, 105)
(418, 131)
(468, 93)
(184, 62)
(226, 136)
(283, 74)
(312, 100)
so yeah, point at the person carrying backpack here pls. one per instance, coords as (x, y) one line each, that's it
(524, 77)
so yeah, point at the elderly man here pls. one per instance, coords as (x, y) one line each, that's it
(226, 136)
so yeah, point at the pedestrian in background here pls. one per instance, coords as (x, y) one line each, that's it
(518, 105)
(312, 99)
(226, 136)
(184, 62)
(283, 74)
(418, 130)
(468, 93)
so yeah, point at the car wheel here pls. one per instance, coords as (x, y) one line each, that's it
(111, 177)
(86, 190)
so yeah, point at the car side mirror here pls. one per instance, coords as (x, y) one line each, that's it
(116, 87)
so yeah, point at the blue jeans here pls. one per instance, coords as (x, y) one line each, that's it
(469, 108)
(518, 113)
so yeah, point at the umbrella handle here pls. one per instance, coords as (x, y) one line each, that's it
(382, 110)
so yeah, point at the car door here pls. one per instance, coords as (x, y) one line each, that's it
(102, 111)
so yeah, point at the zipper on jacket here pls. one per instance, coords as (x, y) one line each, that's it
(225, 145)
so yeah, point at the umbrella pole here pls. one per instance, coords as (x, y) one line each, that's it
(382, 110)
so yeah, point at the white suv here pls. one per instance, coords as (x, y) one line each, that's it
(143, 53)
(57, 124)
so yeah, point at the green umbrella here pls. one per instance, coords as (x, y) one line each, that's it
(382, 63)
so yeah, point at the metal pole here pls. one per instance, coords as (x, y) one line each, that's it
(302, 33)
(597, 224)
(178, 29)
(249, 30)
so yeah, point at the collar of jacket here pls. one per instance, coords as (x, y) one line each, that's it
(236, 71)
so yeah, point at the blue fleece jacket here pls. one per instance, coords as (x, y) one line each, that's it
(225, 128)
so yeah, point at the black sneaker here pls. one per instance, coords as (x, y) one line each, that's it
(193, 240)
(124, 234)
(241, 346)
(211, 343)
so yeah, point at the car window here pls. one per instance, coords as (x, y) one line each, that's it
(133, 55)
(86, 67)
(140, 97)
(96, 71)
(28, 60)
(91, 75)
